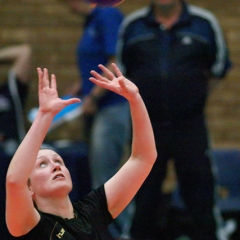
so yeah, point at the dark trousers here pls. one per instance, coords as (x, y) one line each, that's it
(186, 143)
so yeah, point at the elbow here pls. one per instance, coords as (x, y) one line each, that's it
(152, 152)
(12, 182)
(148, 156)
(151, 157)
(154, 156)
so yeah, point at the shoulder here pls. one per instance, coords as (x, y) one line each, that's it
(94, 206)
(94, 202)
(108, 12)
(95, 197)
(203, 14)
(136, 15)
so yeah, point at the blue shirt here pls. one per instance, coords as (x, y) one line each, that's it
(172, 66)
(96, 45)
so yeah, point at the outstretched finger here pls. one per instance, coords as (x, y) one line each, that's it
(45, 78)
(100, 83)
(116, 70)
(53, 81)
(40, 78)
(98, 76)
(110, 75)
(72, 101)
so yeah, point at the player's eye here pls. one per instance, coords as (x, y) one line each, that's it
(43, 164)
(59, 162)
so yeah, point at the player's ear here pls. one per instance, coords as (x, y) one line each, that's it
(29, 187)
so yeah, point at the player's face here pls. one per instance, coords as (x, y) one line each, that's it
(50, 177)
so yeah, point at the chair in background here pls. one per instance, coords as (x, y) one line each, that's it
(227, 162)
(227, 169)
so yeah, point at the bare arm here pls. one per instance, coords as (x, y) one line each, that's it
(20, 57)
(122, 187)
(21, 216)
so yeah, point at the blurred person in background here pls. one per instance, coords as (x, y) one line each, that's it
(105, 114)
(175, 53)
(13, 95)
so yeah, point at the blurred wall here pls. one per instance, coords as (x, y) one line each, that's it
(53, 31)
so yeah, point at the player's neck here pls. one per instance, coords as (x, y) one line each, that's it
(59, 207)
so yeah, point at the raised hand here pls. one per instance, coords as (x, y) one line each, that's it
(48, 95)
(114, 81)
